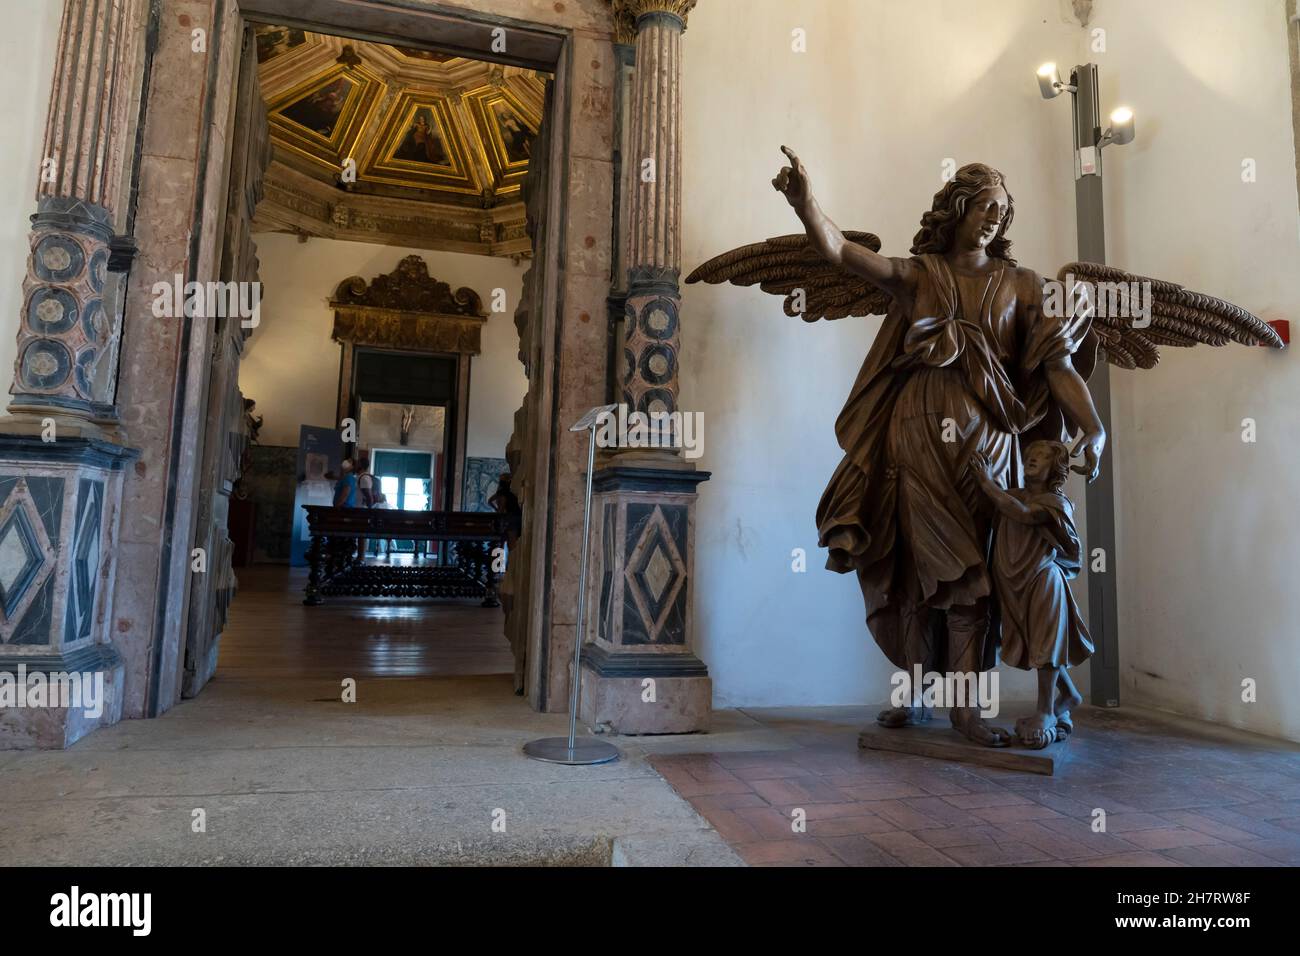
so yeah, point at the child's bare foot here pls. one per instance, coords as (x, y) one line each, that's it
(1066, 701)
(1036, 732)
(903, 716)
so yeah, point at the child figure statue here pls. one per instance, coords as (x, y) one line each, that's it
(1036, 550)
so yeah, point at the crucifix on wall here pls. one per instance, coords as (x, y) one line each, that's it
(408, 417)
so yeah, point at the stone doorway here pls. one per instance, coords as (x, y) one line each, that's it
(141, 154)
(290, 208)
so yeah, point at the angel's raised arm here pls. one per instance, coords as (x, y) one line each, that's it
(889, 274)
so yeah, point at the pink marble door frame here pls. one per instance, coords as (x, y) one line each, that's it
(182, 189)
(164, 362)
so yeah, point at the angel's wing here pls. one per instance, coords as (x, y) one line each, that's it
(787, 264)
(1178, 317)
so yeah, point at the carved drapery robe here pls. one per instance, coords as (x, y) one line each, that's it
(964, 359)
(1032, 565)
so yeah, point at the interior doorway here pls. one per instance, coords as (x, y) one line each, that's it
(411, 137)
(407, 479)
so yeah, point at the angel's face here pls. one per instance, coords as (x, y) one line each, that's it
(983, 218)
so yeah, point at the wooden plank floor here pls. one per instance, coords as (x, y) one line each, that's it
(271, 634)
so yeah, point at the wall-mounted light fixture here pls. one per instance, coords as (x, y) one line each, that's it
(1088, 135)
(1121, 131)
(1050, 83)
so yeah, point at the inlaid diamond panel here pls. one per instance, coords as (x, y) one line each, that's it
(655, 575)
(85, 561)
(19, 559)
(607, 549)
(658, 573)
(26, 556)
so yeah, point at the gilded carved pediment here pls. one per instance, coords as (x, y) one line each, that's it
(408, 309)
(410, 288)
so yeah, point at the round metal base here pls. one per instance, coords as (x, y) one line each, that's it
(585, 751)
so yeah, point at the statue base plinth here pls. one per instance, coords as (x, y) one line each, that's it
(33, 721)
(937, 739)
(59, 519)
(639, 675)
(681, 704)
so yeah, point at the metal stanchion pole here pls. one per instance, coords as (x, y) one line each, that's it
(575, 750)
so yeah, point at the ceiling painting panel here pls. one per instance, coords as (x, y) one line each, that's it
(436, 138)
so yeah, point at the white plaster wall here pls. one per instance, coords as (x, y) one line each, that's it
(28, 45)
(1208, 530)
(291, 366)
(884, 94)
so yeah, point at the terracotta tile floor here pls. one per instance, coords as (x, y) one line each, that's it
(1174, 793)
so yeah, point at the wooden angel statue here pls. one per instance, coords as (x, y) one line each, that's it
(969, 362)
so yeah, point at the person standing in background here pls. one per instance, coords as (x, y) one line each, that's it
(345, 489)
(381, 502)
(365, 481)
(366, 494)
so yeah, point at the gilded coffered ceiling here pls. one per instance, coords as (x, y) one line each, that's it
(395, 144)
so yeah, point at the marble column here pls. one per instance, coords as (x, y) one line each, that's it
(653, 307)
(61, 453)
(640, 675)
(66, 337)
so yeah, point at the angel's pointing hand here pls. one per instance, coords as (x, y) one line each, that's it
(792, 181)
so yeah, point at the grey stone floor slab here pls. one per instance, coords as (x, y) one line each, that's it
(417, 772)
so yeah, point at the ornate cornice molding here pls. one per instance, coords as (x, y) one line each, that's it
(299, 204)
(408, 309)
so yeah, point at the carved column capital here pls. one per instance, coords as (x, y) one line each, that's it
(628, 13)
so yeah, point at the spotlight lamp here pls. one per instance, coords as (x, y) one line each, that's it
(1050, 83)
(1088, 135)
(1121, 130)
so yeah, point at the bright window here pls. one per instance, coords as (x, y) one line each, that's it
(415, 499)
